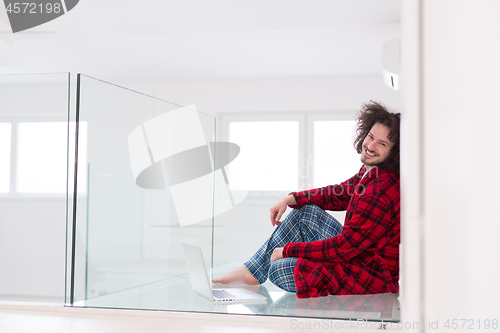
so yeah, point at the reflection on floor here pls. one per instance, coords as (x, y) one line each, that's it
(176, 294)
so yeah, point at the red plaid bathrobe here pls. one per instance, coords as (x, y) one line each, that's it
(364, 258)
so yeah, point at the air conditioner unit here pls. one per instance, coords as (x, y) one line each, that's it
(391, 62)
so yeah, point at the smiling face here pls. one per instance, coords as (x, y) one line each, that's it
(376, 146)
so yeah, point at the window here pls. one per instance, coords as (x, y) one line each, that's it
(268, 158)
(38, 156)
(5, 144)
(41, 166)
(335, 159)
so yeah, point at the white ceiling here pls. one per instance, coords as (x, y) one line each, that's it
(206, 39)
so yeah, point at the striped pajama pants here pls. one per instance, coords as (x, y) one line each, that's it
(307, 224)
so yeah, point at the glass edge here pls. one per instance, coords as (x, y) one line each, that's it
(75, 194)
(214, 153)
(144, 94)
(42, 73)
(67, 194)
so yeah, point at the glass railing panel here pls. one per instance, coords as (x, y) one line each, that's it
(34, 112)
(141, 199)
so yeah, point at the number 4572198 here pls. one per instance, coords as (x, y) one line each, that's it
(471, 324)
(33, 8)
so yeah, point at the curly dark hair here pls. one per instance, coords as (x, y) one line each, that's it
(370, 114)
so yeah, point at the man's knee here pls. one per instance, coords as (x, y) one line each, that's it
(311, 208)
(281, 274)
(308, 209)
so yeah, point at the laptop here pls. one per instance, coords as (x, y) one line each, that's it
(203, 286)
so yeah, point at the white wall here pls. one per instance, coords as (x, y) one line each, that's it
(279, 94)
(459, 71)
(411, 151)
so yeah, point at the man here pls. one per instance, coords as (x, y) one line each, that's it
(311, 253)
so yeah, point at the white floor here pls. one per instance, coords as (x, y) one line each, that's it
(178, 295)
(36, 318)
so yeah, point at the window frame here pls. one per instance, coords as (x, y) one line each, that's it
(306, 121)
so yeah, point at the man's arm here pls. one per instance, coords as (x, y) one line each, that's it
(371, 218)
(333, 197)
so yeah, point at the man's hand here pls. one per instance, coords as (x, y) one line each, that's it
(279, 208)
(277, 254)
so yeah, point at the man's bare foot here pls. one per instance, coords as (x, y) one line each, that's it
(239, 275)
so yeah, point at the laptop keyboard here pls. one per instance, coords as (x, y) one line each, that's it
(219, 293)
